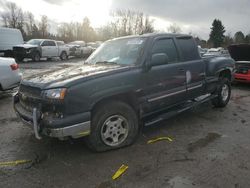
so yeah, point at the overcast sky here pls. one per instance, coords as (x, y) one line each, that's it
(192, 15)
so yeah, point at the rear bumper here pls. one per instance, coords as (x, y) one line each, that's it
(74, 126)
(242, 78)
(12, 81)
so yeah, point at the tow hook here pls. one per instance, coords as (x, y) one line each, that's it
(35, 124)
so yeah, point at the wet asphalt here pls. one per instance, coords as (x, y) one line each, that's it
(210, 148)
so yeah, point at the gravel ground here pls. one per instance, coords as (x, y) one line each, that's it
(210, 148)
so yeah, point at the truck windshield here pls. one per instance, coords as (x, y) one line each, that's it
(34, 41)
(120, 51)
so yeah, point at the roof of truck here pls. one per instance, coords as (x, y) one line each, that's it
(149, 35)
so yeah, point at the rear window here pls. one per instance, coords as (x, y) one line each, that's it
(188, 48)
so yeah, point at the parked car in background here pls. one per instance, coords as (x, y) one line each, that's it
(216, 52)
(125, 83)
(94, 45)
(79, 49)
(8, 38)
(60, 43)
(41, 48)
(241, 54)
(202, 50)
(10, 76)
(212, 52)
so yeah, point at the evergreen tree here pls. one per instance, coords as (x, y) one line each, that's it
(239, 37)
(217, 33)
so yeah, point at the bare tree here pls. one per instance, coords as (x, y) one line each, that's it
(127, 22)
(13, 16)
(29, 23)
(174, 28)
(44, 26)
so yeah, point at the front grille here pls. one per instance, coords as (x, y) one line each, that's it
(242, 68)
(19, 49)
(30, 97)
(30, 91)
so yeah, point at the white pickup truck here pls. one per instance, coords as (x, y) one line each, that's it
(79, 49)
(41, 48)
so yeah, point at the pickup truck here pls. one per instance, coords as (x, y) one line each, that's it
(79, 49)
(40, 48)
(126, 83)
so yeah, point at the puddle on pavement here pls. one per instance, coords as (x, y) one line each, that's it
(203, 142)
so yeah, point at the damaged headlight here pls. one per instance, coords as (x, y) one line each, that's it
(28, 50)
(58, 93)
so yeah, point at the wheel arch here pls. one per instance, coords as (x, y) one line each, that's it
(225, 73)
(128, 98)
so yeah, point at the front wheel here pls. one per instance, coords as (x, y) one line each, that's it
(36, 57)
(114, 125)
(223, 92)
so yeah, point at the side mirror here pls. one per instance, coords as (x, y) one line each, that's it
(159, 59)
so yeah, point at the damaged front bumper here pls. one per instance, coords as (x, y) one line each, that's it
(74, 126)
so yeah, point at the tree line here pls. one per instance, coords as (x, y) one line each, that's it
(124, 22)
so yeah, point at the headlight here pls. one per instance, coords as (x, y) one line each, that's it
(28, 50)
(58, 93)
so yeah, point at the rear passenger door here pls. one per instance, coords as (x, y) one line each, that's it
(166, 83)
(49, 49)
(193, 66)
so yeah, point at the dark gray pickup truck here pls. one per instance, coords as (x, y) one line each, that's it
(125, 83)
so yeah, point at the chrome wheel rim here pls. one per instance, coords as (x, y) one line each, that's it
(114, 130)
(225, 92)
(37, 57)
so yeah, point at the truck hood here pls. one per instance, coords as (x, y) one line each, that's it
(240, 52)
(26, 46)
(73, 45)
(70, 76)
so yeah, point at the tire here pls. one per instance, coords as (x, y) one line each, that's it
(36, 57)
(223, 92)
(114, 125)
(63, 56)
(81, 55)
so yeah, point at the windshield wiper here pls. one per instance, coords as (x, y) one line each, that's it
(106, 62)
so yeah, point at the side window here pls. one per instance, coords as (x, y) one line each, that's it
(188, 48)
(51, 43)
(45, 43)
(166, 46)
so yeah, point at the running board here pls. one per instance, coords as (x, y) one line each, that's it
(177, 110)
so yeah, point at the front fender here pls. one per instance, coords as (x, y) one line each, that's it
(109, 93)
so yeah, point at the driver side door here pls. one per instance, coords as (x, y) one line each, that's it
(165, 82)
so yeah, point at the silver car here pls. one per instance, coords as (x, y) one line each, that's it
(10, 75)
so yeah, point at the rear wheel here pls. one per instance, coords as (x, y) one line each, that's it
(63, 56)
(114, 125)
(223, 92)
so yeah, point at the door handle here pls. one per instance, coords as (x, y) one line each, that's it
(181, 70)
